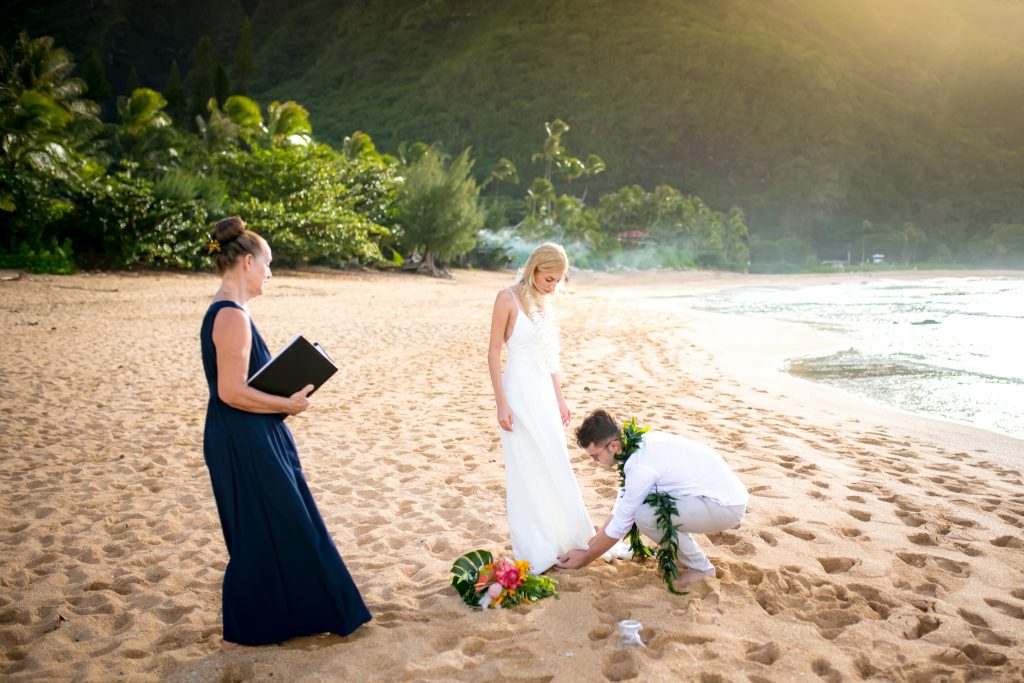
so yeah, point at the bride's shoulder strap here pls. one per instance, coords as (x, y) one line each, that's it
(515, 297)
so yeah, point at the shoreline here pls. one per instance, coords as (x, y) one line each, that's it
(786, 340)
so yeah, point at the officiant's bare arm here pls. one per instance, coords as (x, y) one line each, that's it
(232, 337)
(501, 321)
(577, 559)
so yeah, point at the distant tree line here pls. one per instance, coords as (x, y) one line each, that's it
(143, 187)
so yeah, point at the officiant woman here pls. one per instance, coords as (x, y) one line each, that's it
(284, 576)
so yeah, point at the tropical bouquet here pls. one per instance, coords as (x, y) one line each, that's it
(485, 582)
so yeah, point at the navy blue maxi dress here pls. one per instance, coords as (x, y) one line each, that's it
(284, 576)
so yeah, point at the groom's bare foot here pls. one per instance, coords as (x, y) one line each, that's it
(693, 576)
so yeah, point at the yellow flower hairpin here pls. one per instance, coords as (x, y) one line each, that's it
(213, 246)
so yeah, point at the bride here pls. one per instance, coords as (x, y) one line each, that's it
(546, 515)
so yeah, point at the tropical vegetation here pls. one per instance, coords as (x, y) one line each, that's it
(764, 135)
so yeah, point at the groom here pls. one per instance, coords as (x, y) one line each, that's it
(707, 494)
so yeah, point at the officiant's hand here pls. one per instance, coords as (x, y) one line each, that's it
(300, 400)
(573, 559)
(505, 417)
(564, 412)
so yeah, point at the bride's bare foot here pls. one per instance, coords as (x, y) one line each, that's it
(228, 646)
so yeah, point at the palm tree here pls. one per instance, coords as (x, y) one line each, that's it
(44, 119)
(142, 111)
(591, 167)
(245, 114)
(552, 145)
(288, 122)
(144, 124)
(912, 236)
(39, 101)
(219, 131)
(503, 172)
(866, 226)
(570, 168)
(360, 145)
(542, 191)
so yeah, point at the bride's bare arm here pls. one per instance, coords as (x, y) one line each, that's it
(504, 309)
(563, 407)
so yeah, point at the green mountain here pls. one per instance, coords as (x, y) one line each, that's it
(812, 116)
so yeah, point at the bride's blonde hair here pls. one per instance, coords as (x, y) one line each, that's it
(546, 258)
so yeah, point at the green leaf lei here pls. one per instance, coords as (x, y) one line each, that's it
(664, 506)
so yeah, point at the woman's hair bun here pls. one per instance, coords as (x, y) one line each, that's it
(227, 229)
(230, 241)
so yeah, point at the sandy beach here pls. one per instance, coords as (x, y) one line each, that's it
(877, 544)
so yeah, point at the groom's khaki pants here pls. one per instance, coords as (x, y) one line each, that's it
(698, 515)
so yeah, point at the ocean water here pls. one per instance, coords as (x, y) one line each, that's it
(946, 347)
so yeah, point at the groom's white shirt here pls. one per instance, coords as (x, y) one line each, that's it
(677, 466)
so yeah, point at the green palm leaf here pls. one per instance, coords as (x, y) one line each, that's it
(465, 571)
(244, 112)
(467, 566)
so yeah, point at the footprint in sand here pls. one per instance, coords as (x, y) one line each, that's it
(1006, 608)
(823, 670)
(922, 539)
(972, 618)
(910, 519)
(1012, 520)
(620, 666)
(859, 515)
(990, 637)
(837, 565)
(967, 549)
(919, 626)
(900, 502)
(734, 542)
(802, 534)
(1008, 542)
(960, 569)
(971, 653)
(741, 571)
(765, 653)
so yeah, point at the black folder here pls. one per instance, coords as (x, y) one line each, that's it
(300, 363)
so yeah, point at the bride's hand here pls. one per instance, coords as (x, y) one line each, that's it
(572, 559)
(505, 417)
(565, 413)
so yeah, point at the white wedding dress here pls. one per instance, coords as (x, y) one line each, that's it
(546, 515)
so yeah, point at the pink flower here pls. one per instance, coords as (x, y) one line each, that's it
(494, 590)
(507, 574)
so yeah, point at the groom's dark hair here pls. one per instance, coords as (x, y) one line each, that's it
(596, 427)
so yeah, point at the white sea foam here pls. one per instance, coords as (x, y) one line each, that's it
(951, 347)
